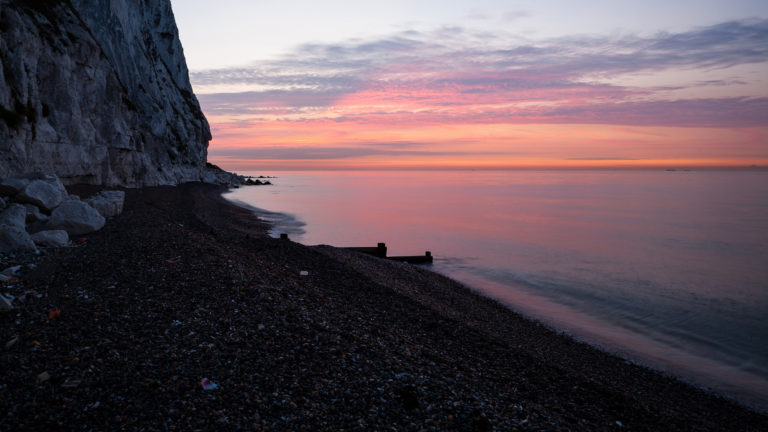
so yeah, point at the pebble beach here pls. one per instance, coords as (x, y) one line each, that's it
(183, 314)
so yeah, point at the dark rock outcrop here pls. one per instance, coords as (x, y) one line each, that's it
(97, 92)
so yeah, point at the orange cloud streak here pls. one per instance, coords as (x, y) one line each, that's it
(464, 145)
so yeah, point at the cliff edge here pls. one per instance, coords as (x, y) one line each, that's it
(97, 92)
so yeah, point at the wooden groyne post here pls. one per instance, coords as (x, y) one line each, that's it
(381, 251)
(414, 259)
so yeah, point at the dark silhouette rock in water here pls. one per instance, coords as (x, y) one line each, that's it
(97, 92)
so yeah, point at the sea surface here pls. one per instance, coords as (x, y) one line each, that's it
(668, 269)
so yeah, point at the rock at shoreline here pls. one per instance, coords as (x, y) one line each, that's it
(108, 203)
(56, 238)
(76, 218)
(221, 177)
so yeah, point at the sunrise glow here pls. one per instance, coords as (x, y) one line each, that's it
(461, 97)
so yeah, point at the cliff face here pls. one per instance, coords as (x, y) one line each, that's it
(97, 92)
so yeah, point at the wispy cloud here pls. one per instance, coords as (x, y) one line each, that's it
(322, 153)
(459, 76)
(494, 76)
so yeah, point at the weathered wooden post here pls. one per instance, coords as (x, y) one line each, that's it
(381, 250)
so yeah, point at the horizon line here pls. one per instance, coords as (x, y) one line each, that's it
(683, 168)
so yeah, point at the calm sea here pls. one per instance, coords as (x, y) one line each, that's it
(669, 269)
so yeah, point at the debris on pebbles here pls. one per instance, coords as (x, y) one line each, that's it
(43, 377)
(208, 384)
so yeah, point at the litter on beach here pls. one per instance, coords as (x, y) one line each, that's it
(70, 384)
(208, 384)
(43, 377)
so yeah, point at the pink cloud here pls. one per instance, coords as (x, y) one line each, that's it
(329, 98)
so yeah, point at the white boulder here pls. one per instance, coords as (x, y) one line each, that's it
(13, 238)
(58, 238)
(76, 218)
(13, 185)
(14, 216)
(45, 194)
(108, 203)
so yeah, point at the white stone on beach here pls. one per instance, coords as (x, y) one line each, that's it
(46, 194)
(57, 238)
(108, 203)
(14, 216)
(13, 185)
(13, 238)
(76, 218)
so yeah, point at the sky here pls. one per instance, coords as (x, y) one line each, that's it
(480, 84)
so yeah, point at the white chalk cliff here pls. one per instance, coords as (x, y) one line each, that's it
(97, 92)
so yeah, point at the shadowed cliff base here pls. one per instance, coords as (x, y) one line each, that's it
(183, 286)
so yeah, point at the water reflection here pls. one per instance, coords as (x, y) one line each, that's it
(667, 266)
